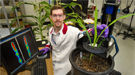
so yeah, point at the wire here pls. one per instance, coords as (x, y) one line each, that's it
(131, 3)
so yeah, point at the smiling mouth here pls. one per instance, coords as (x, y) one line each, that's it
(58, 22)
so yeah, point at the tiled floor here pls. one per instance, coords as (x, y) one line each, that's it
(125, 59)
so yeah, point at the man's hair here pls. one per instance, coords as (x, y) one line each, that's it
(57, 7)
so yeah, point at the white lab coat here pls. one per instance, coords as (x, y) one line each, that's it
(66, 42)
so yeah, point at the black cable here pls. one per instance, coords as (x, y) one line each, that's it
(131, 20)
(131, 3)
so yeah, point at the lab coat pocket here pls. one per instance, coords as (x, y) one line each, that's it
(57, 66)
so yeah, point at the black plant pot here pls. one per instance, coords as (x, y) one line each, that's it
(103, 51)
(78, 71)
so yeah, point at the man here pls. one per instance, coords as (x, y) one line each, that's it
(63, 40)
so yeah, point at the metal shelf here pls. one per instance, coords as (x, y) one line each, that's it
(7, 21)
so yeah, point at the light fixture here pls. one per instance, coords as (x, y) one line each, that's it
(126, 10)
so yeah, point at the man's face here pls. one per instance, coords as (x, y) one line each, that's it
(57, 17)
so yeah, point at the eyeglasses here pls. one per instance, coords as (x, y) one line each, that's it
(55, 15)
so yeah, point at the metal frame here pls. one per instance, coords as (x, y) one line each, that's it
(5, 13)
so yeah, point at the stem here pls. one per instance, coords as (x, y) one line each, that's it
(39, 21)
(90, 57)
(40, 27)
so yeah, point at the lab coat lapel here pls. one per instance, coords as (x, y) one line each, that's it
(50, 37)
(62, 34)
(61, 37)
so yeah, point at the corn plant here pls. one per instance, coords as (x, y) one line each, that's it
(77, 19)
(40, 19)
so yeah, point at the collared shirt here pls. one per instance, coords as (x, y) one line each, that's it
(56, 36)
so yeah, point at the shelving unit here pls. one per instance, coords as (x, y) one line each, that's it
(6, 10)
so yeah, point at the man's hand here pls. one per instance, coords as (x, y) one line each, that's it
(45, 50)
(99, 30)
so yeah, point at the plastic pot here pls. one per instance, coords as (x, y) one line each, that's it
(78, 71)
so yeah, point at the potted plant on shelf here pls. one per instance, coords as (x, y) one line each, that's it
(87, 59)
(40, 17)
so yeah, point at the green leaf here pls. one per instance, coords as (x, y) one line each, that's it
(47, 26)
(84, 57)
(80, 6)
(37, 38)
(27, 20)
(90, 57)
(79, 17)
(40, 9)
(35, 29)
(14, 20)
(34, 23)
(62, 4)
(43, 37)
(73, 4)
(101, 42)
(74, 15)
(52, 1)
(71, 9)
(47, 10)
(44, 17)
(95, 26)
(35, 6)
(20, 3)
(125, 16)
(44, 2)
(16, 29)
(69, 15)
(72, 20)
(82, 25)
(70, 5)
(32, 16)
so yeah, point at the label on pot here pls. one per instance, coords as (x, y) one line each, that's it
(43, 42)
(80, 54)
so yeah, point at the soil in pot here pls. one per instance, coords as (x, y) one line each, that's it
(97, 64)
